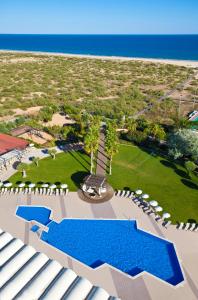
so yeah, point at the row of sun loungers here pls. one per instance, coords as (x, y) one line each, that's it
(188, 226)
(142, 204)
(124, 193)
(36, 191)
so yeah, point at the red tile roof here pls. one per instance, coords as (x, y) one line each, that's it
(8, 143)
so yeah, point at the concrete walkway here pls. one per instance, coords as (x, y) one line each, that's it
(142, 287)
(35, 152)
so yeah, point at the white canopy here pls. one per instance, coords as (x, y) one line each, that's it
(8, 184)
(31, 185)
(139, 192)
(45, 185)
(158, 208)
(22, 184)
(64, 186)
(153, 203)
(145, 196)
(53, 186)
(166, 215)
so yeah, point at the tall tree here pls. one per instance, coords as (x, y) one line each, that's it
(183, 142)
(91, 141)
(156, 131)
(131, 126)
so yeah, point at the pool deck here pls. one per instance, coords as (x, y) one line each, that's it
(144, 286)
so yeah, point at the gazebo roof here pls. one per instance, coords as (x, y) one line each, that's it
(95, 181)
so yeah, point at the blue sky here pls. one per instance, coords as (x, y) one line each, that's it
(99, 16)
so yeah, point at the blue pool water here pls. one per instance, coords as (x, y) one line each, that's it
(118, 243)
(39, 214)
(182, 47)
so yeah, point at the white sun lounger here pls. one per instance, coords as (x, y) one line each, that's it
(187, 226)
(123, 193)
(157, 218)
(192, 226)
(167, 223)
(127, 194)
(118, 193)
(196, 229)
(131, 195)
(181, 225)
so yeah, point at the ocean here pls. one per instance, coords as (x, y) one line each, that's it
(180, 47)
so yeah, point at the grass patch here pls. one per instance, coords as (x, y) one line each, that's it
(162, 179)
(70, 168)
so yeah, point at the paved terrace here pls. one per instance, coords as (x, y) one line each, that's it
(143, 287)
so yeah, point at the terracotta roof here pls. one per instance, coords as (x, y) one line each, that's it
(8, 143)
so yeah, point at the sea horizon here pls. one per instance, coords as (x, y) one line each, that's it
(148, 46)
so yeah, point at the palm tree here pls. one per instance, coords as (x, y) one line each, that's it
(131, 126)
(22, 167)
(52, 152)
(91, 142)
(111, 144)
(157, 131)
(36, 160)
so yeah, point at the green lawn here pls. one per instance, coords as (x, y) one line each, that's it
(133, 168)
(163, 180)
(67, 168)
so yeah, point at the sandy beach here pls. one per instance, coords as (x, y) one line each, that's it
(185, 63)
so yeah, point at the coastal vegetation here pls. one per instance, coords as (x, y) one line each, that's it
(103, 87)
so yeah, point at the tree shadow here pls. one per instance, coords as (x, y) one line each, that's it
(126, 188)
(40, 182)
(28, 182)
(189, 184)
(168, 164)
(77, 159)
(192, 221)
(81, 155)
(18, 182)
(44, 151)
(78, 178)
(182, 173)
(15, 164)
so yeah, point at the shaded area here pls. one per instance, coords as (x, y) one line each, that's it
(189, 184)
(78, 177)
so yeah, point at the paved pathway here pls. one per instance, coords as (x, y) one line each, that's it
(116, 283)
(102, 158)
(34, 152)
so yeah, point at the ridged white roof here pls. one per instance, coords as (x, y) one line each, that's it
(27, 274)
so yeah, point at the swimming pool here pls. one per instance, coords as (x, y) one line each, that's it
(118, 243)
